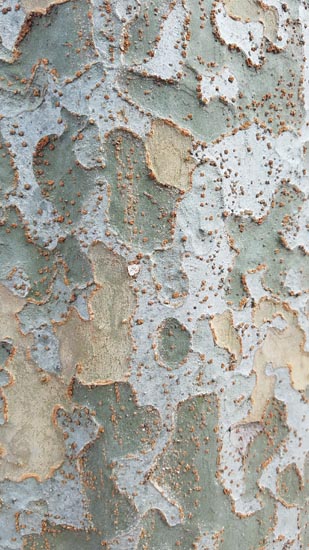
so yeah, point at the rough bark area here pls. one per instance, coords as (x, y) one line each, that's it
(154, 274)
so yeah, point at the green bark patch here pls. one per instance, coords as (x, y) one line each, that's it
(18, 251)
(187, 474)
(64, 39)
(260, 243)
(116, 405)
(174, 342)
(289, 482)
(273, 92)
(180, 104)
(60, 538)
(141, 211)
(62, 179)
(127, 429)
(6, 172)
(144, 30)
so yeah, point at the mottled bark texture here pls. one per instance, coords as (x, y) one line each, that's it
(154, 274)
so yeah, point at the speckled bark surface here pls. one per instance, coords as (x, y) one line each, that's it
(154, 275)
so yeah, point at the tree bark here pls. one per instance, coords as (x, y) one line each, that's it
(154, 269)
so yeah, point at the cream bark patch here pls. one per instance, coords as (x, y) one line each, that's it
(31, 443)
(281, 348)
(100, 348)
(168, 154)
(255, 11)
(40, 6)
(225, 333)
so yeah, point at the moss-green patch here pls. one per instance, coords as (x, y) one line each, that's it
(64, 38)
(63, 181)
(289, 484)
(78, 268)
(60, 42)
(187, 473)
(5, 351)
(174, 342)
(110, 511)
(127, 428)
(61, 538)
(179, 103)
(304, 515)
(18, 251)
(116, 407)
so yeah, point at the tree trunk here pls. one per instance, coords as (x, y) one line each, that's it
(154, 269)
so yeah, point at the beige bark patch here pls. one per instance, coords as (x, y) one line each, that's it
(168, 155)
(31, 444)
(40, 6)
(249, 10)
(100, 348)
(10, 305)
(225, 334)
(281, 348)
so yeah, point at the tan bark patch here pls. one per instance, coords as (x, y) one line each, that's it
(168, 155)
(40, 6)
(100, 348)
(281, 348)
(10, 305)
(31, 444)
(249, 10)
(225, 333)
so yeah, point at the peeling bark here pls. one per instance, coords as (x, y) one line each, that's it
(154, 268)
